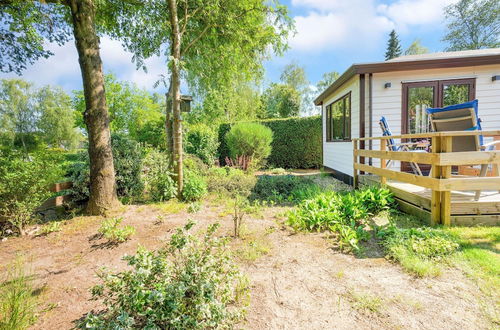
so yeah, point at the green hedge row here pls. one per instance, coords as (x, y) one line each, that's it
(296, 142)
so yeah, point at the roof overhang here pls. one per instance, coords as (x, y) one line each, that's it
(391, 66)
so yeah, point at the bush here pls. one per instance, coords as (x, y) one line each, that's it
(111, 230)
(24, 186)
(190, 284)
(250, 139)
(344, 214)
(127, 158)
(202, 142)
(230, 181)
(284, 188)
(195, 187)
(297, 142)
(157, 176)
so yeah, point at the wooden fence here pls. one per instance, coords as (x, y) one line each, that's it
(58, 200)
(441, 158)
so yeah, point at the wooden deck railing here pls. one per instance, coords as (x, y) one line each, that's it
(441, 158)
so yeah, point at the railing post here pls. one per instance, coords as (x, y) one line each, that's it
(446, 146)
(355, 178)
(436, 173)
(383, 146)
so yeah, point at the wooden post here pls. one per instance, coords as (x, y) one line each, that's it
(355, 161)
(436, 195)
(446, 146)
(383, 146)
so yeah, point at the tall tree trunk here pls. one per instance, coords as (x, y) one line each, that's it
(176, 94)
(102, 171)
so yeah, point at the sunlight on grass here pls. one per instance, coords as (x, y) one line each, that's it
(171, 207)
(18, 298)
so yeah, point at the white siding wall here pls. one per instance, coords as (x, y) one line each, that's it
(339, 155)
(387, 101)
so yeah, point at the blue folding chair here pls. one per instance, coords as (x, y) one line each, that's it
(403, 146)
(462, 117)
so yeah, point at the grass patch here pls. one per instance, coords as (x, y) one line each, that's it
(365, 301)
(171, 207)
(113, 232)
(18, 299)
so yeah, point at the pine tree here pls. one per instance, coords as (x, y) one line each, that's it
(393, 46)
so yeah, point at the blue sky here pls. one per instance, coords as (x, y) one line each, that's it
(330, 36)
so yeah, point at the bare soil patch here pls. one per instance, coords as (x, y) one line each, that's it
(298, 281)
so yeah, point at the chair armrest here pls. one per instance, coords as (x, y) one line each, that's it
(490, 144)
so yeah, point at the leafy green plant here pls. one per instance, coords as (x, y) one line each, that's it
(344, 214)
(195, 187)
(127, 158)
(111, 230)
(190, 284)
(284, 188)
(230, 181)
(250, 139)
(194, 207)
(18, 299)
(51, 227)
(157, 176)
(417, 249)
(24, 186)
(202, 142)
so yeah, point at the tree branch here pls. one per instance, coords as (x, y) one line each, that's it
(196, 39)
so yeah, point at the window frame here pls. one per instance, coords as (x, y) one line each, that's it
(329, 123)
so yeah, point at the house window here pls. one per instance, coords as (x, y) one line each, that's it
(338, 119)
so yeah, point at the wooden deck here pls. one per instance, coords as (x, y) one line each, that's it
(465, 210)
(441, 197)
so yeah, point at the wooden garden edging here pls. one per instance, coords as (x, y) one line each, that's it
(441, 158)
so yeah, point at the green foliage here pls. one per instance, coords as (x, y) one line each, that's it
(111, 230)
(127, 158)
(26, 28)
(24, 186)
(417, 249)
(288, 147)
(393, 46)
(472, 24)
(157, 176)
(18, 299)
(250, 139)
(202, 142)
(284, 188)
(51, 227)
(30, 117)
(230, 181)
(133, 111)
(190, 284)
(327, 79)
(344, 214)
(195, 187)
(416, 48)
(280, 101)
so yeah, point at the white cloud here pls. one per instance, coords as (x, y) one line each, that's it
(414, 12)
(63, 69)
(360, 24)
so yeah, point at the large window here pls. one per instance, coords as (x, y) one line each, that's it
(338, 119)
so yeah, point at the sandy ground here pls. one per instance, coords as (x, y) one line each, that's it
(299, 282)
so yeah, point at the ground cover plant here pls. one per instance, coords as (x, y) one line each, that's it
(284, 188)
(192, 283)
(112, 231)
(345, 214)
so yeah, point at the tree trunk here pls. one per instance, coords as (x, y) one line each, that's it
(102, 173)
(175, 49)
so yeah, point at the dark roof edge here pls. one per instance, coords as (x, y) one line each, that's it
(438, 63)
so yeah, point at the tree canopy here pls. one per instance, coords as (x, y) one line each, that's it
(473, 24)
(393, 46)
(416, 48)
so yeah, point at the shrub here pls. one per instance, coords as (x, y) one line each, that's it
(24, 186)
(230, 181)
(127, 158)
(157, 176)
(284, 188)
(202, 142)
(191, 284)
(296, 142)
(250, 139)
(344, 214)
(111, 230)
(195, 187)
(417, 249)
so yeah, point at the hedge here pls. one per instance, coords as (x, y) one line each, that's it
(296, 142)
